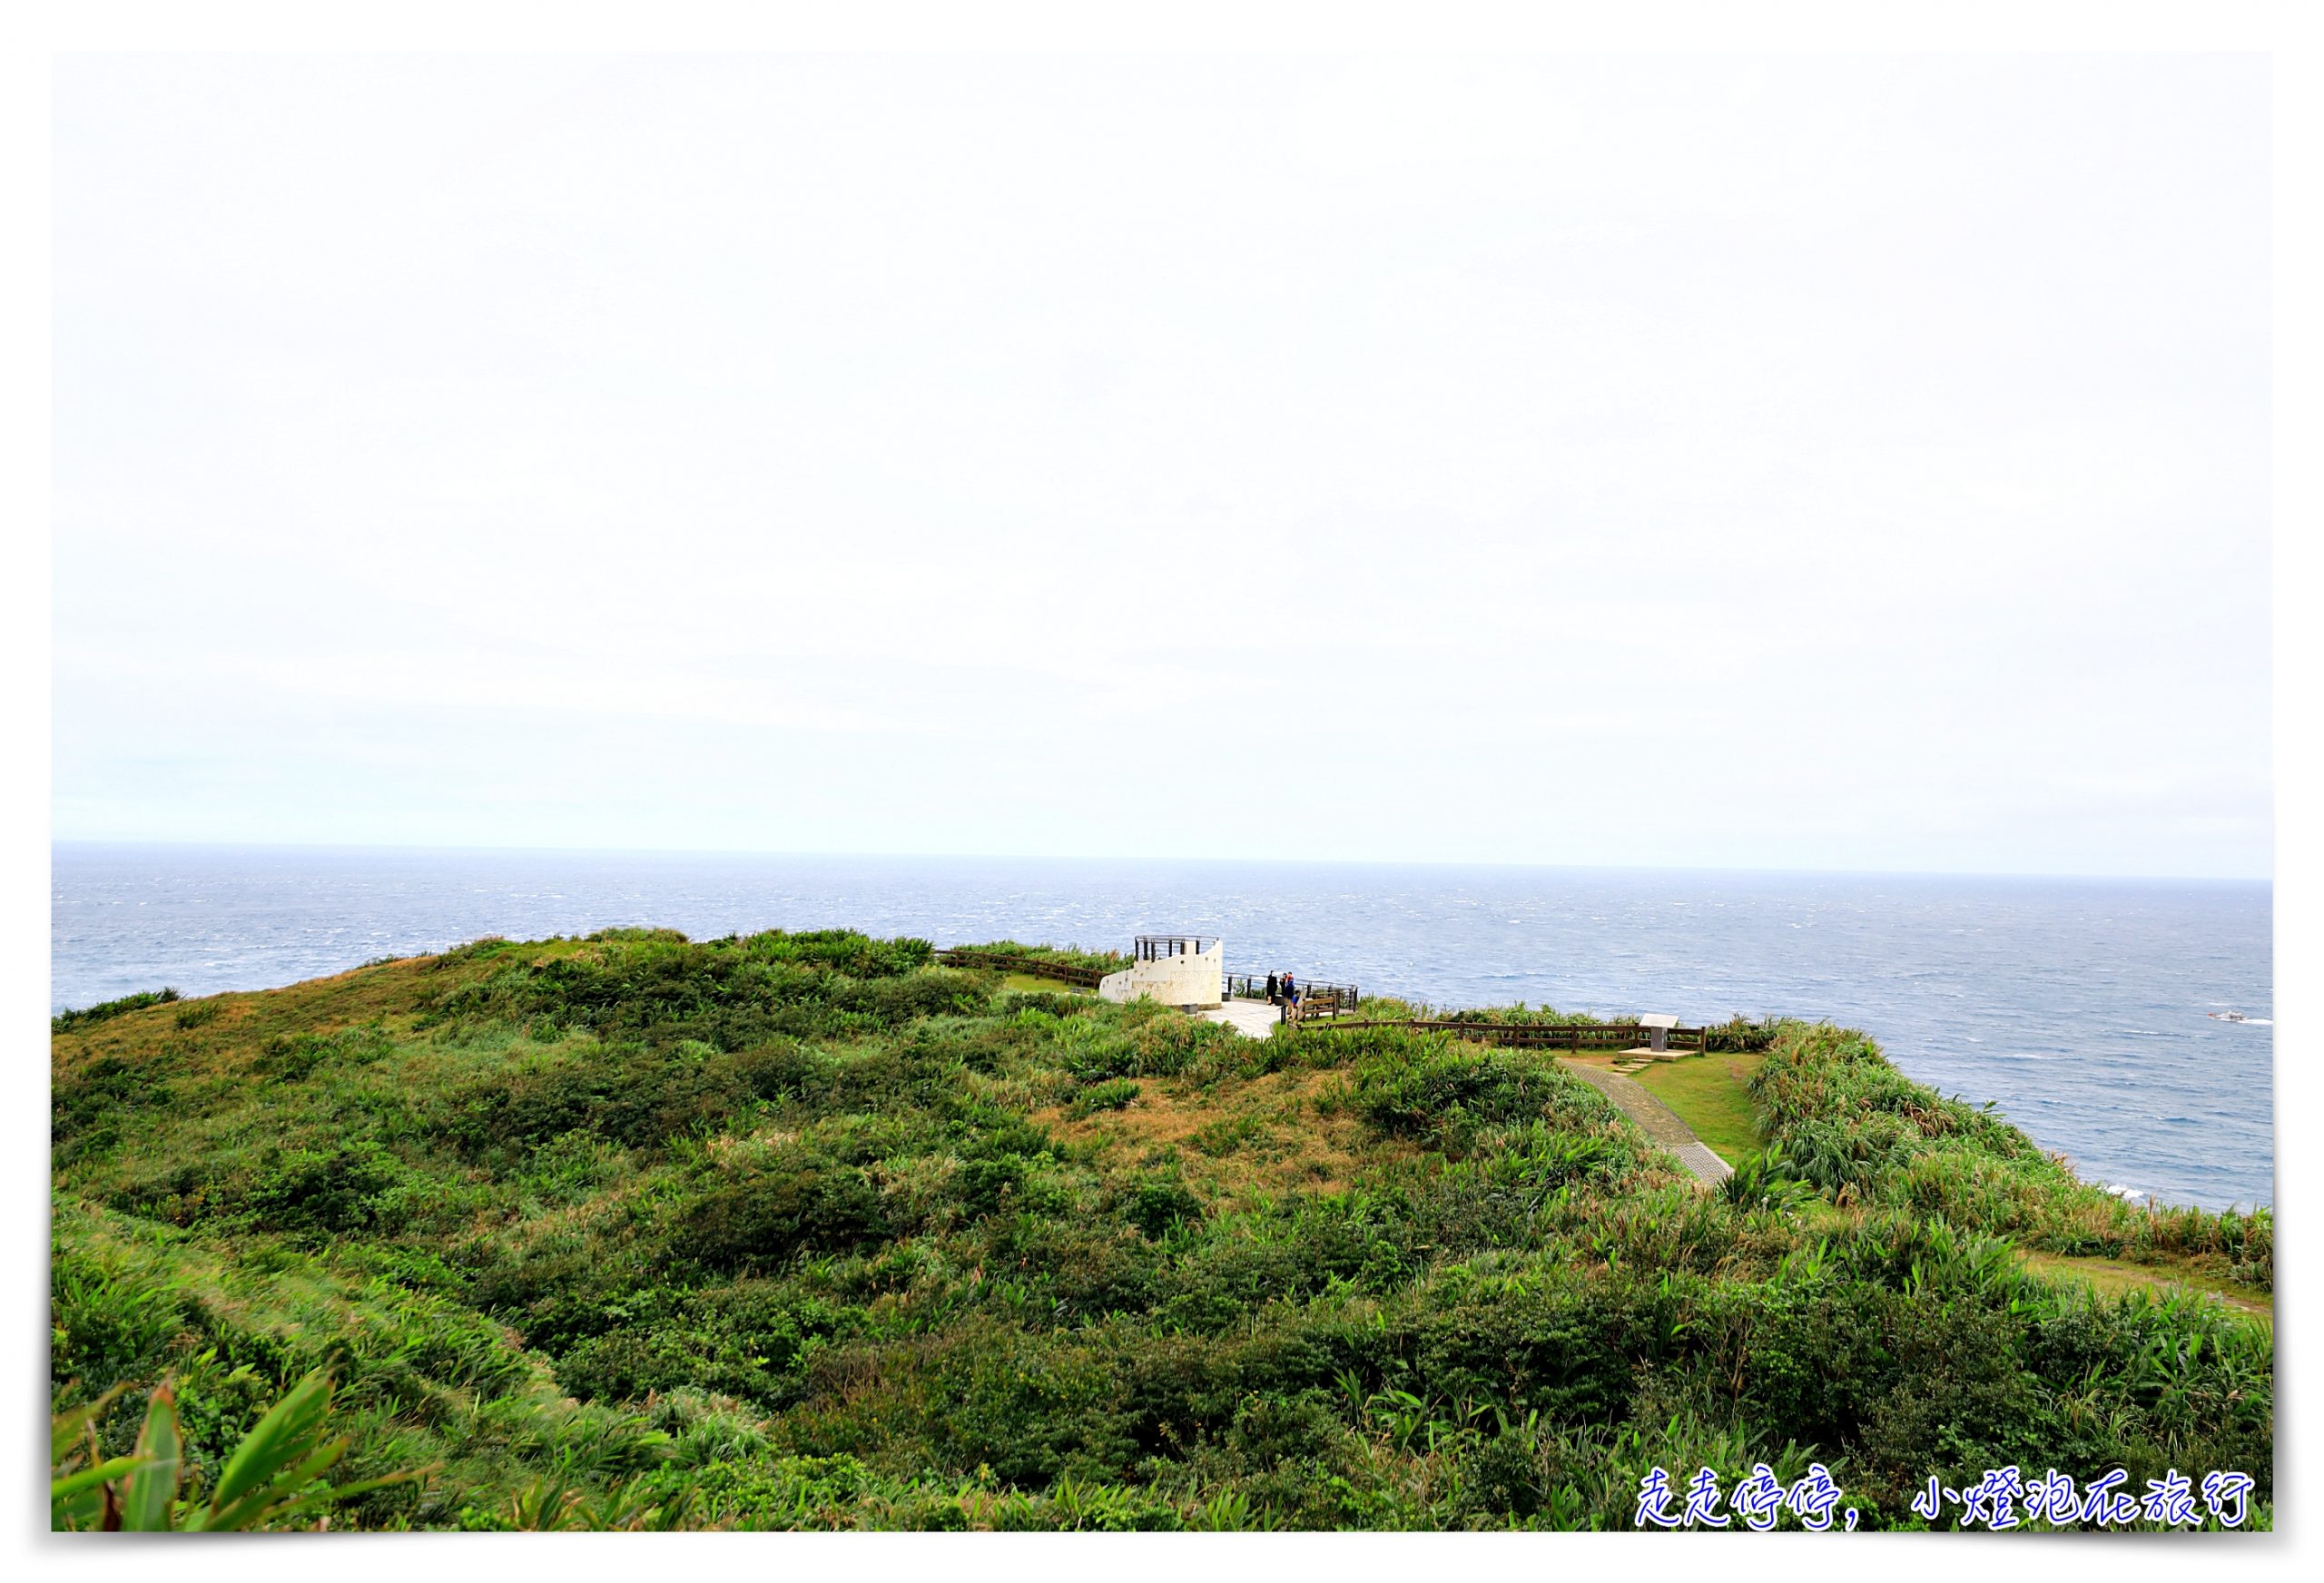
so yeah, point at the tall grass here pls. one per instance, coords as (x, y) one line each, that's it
(87, 1016)
(1851, 1123)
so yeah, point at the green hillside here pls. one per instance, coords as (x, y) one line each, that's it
(804, 1230)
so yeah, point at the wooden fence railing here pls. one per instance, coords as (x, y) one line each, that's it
(1037, 967)
(1553, 1035)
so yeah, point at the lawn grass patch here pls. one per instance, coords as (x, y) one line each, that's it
(2162, 1276)
(1029, 983)
(1711, 1093)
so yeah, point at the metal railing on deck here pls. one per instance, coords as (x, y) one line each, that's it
(1555, 1036)
(1315, 1000)
(1155, 947)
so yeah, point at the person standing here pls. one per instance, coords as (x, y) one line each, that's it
(1290, 999)
(1275, 990)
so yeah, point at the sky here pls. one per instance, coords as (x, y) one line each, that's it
(1817, 462)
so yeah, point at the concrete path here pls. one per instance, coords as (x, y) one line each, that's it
(1251, 1019)
(1655, 1120)
(1257, 1019)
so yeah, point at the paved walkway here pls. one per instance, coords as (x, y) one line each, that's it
(1251, 1019)
(1655, 1120)
(1257, 1019)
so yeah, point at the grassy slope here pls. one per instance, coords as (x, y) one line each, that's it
(1712, 1095)
(802, 1231)
(2162, 1276)
(1033, 984)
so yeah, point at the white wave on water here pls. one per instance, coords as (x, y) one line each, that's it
(2127, 1195)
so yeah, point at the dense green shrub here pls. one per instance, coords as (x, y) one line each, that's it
(1157, 1205)
(351, 1188)
(73, 1021)
(88, 1104)
(1436, 1087)
(1107, 1096)
(1850, 1122)
(806, 1231)
(1070, 956)
(769, 1216)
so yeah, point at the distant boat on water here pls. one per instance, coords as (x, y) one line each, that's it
(2229, 1017)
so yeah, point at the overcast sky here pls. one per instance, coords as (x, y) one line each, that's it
(1815, 463)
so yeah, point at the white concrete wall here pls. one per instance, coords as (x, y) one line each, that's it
(1196, 979)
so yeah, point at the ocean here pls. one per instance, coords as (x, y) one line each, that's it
(2079, 1007)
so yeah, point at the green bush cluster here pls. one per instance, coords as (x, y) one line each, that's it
(807, 1231)
(1069, 955)
(1855, 1126)
(71, 1021)
(1426, 1087)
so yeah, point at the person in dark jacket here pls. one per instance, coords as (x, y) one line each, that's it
(1290, 999)
(1273, 990)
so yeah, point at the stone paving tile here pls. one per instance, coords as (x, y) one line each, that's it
(1251, 1019)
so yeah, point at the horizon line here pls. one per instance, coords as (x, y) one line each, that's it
(55, 841)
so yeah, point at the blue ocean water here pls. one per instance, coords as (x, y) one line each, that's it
(2080, 1006)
